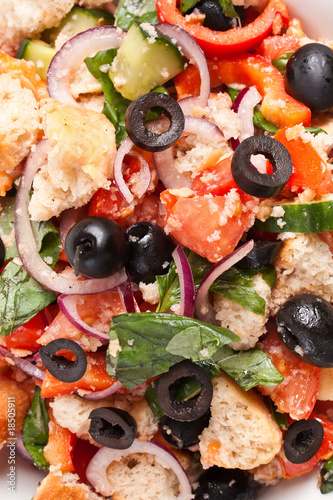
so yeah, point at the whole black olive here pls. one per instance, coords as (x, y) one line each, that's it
(305, 325)
(217, 483)
(112, 427)
(150, 251)
(302, 440)
(181, 434)
(166, 390)
(60, 367)
(309, 76)
(262, 254)
(96, 247)
(215, 18)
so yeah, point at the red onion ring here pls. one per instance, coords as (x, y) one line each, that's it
(69, 218)
(187, 290)
(164, 160)
(244, 105)
(96, 470)
(24, 365)
(145, 174)
(127, 297)
(73, 52)
(202, 307)
(67, 305)
(26, 246)
(195, 55)
(105, 393)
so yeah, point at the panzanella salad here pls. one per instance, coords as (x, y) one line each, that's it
(166, 247)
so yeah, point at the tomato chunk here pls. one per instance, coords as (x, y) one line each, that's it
(59, 449)
(216, 179)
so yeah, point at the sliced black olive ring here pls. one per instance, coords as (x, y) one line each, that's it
(192, 409)
(60, 367)
(249, 179)
(112, 427)
(181, 434)
(302, 440)
(135, 122)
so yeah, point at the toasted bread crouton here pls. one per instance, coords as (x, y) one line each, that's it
(268, 474)
(304, 265)
(72, 413)
(326, 385)
(57, 486)
(80, 160)
(15, 401)
(241, 432)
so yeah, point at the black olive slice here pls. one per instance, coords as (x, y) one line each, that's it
(60, 367)
(302, 440)
(304, 324)
(192, 409)
(217, 483)
(135, 121)
(249, 179)
(263, 253)
(181, 434)
(112, 427)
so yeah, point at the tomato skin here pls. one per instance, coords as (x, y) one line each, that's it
(297, 394)
(290, 470)
(59, 449)
(83, 453)
(26, 336)
(229, 43)
(216, 180)
(275, 46)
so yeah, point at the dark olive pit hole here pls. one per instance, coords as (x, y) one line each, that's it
(304, 440)
(180, 390)
(110, 431)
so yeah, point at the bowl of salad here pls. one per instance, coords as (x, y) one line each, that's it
(166, 249)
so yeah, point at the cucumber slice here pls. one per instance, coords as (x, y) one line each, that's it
(39, 53)
(144, 61)
(314, 217)
(76, 21)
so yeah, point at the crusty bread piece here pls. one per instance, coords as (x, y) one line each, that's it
(304, 265)
(268, 474)
(80, 160)
(58, 486)
(19, 123)
(72, 413)
(326, 385)
(246, 324)
(10, 389)
(241, 432)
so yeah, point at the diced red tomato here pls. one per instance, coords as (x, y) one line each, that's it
(26, 336)
(275, 46)
(83, 453)
(96, 378)
(290, 470)
(60, 447)
(297, 394)
(210, 226)
(309, 170)
(216, 179)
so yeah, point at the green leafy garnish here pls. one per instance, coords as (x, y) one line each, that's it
(141, 11)
(315, 130)
(152, 342)
(35, 433)
(279, 418)
(186, 5)
(326, 476)
(229, 9)
(233, 93)
(281, 62)
(247, 368)
(115, 104)
(260, 121)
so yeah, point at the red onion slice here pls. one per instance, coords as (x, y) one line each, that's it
(67, 305)
(187, 290)
(202, 307)
(145, 174)
(96, 396)
(69, 218)
(72, 54)
(24, 365)
(26, 246)
(164, 160)
(195, 55)
(97, 469)
(127, 296)
(244, 105)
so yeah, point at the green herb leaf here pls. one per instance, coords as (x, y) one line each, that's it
(279, 418)
(186, 5)
(141, 11)
(233, 93)
(281, 62)
(326, 476)
(35, 433)
(229, 9)
(260, 121)
(115, 104)
(247, 368)
(144, 339)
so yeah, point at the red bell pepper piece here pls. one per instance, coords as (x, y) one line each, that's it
(275, 46)
(225, 43)
(59, 449)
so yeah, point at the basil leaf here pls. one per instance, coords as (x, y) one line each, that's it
(21, 298)
(247, 368)
(186, 5)
(141, 11)
(281, 62)
(144, 340)
(326, 476)
(233, 93)
(229, 9)
(35, 433)
(115, 104)
(269, 275)
(279, 418)
(260, 121)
